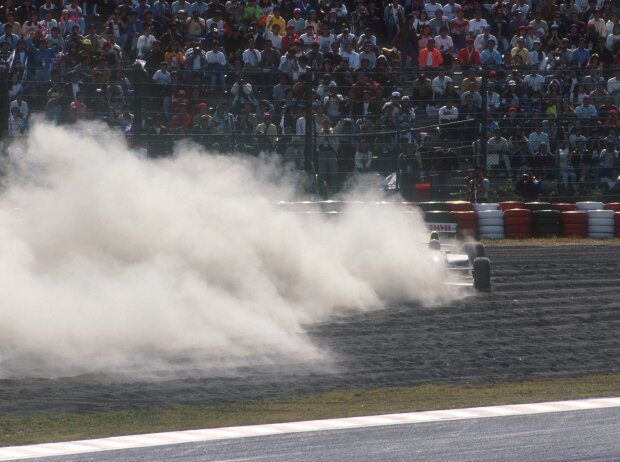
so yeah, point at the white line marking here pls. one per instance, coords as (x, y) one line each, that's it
(209, 434)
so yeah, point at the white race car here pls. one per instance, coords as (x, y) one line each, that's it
(467, 259)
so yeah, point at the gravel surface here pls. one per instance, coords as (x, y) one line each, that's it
(553, 311)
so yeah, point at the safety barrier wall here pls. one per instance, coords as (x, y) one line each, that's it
(519, 220)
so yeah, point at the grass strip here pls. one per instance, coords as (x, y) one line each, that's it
(43, 428)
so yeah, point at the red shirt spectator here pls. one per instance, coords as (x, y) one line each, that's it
(468, 56)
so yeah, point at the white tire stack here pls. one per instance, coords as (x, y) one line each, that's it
(481, 207)
(490, 222)
(601, 223)
(589, 205)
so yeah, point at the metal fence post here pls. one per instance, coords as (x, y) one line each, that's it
(5, 112)
(309, 144)
(137, 107)
(484, 119)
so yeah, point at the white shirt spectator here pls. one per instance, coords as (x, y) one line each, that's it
(145, 45)
(611, 39)
(276, 40)
(308, 39)
(220, 24)
(477, 27)
(214, 57)
(23, 107)
(17, 125)
(613, 87)
(445, 45)
(534, 82)
(363, 161)
(535, 139)
(251, 58)
(353, 57)
(540, 63)
(326, 43)
(431, 7)
(439, 84)
(449, 10)
(162, 77)
(493, 100)
(448, 114)
(480, 42)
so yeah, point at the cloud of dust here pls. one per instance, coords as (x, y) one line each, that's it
(109, 262)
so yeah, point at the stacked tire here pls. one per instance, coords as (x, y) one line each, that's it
(535, 206)
(434, 206)
(615, 206)
(574, 223)
(518, 223)
(491, 224)
(564, 207)
(466, 223)
(459, 206)
(601, 224)
(509, 205)
(546, 223)
(589, 205)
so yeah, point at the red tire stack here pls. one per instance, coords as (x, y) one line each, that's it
(466, 223)
(459, 206)
(564, 207)
(574, 223)
(615, 206)
(517, 222)
(466, 220)
(509, 205)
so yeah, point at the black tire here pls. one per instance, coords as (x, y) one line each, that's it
(479, 249)
(482, 273)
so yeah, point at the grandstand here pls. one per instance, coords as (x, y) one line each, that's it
(434, 97)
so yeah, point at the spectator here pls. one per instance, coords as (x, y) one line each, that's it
(216, 64)
(363, 157)
(19, 103)
(17, 123)
(468, 56)
(430, 57)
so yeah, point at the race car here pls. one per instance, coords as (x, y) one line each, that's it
(467, 259)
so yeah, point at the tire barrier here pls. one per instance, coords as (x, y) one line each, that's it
(574, 224)
(433, 206)
(459, 206)
(589, 205)
(546, 223)
(491, 224)
(601, 223)
(518, 223)
(534, 206)
(438, 216)
(482, 207)
(615, 206)
(519, 220)
(466, 223)
(509, 205)
(563, 207)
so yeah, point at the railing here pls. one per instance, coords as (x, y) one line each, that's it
(406, 137)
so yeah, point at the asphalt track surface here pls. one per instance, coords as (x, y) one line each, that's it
(553, 311)
(564, 436)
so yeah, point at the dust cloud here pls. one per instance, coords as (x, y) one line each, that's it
(113, 263)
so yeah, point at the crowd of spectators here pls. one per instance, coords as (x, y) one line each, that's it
(240, 74)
